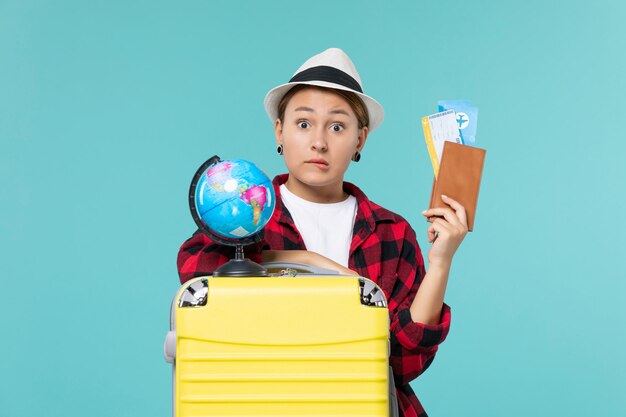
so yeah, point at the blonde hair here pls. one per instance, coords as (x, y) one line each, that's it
(356, 104)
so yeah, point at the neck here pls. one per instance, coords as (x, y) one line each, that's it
(325, 194)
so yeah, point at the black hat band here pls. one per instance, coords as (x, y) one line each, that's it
(328, 74)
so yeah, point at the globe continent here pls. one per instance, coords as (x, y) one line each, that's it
(234, 198)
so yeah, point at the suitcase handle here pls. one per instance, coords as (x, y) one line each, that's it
(307, 269)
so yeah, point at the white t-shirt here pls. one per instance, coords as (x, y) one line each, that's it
(325, 228)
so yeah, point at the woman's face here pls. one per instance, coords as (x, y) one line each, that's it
(320, 135)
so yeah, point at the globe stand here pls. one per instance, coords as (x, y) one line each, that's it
(240, 266)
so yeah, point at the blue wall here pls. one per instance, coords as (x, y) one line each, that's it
(108, 107)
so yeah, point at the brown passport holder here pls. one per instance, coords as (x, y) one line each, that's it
(459, 176)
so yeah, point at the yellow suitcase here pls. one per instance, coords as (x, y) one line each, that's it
(303, 345)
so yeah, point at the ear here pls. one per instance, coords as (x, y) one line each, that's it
(362, 138)
(278, 132)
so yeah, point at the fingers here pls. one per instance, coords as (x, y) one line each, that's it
(432, 235)
(438, 226)
(458, 207)
(440, 212)
(458, 217)
(443, 213)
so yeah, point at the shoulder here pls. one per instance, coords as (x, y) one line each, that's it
(383, 214)
(380, 219)
(393, 224)
(378, 212)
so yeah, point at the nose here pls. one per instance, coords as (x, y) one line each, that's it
(319, 142)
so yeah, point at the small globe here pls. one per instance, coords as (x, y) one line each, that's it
(234, 198)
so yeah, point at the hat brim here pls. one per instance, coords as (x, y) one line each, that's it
(273, 97)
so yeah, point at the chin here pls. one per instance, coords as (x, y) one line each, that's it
(315, 179)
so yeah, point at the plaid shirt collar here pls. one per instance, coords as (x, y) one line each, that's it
(368, 213)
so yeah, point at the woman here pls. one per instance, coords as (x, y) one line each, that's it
(322, 120)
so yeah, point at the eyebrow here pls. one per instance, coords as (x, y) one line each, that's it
(338, 111)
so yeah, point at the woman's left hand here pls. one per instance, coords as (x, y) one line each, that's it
(446, 232)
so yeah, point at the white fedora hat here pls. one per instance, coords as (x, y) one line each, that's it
(332, 69)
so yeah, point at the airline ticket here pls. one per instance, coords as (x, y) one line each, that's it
(438, 128)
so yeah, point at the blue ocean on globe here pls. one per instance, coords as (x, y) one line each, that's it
(234, 198)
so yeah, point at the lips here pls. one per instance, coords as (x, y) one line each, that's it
(317, 161)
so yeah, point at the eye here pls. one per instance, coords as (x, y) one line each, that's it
(337, 127)
(303, 124)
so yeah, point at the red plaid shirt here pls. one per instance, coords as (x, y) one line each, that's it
(384, 249)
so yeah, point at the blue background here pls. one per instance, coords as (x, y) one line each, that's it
(108, 107)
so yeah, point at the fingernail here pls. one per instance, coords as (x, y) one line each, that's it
(444, 196)
(424, 212)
